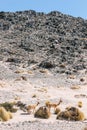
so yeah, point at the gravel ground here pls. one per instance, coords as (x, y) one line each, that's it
(46, 86)
(37, 125)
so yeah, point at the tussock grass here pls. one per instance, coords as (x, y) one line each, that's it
(80, 104)
(42, 112)
(5, 115)
(75, 87)
(71, 113)
(9, 106)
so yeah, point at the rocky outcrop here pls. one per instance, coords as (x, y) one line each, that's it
(47, 40)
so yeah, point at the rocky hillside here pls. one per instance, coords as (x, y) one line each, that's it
(54, 41)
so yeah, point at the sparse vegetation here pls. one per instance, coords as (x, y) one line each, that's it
(5, 115)
(21, 78)
(19, 71)
(42, 90)
(71, 76)
(30, 72)
(57, 110)
(42, 112)
(44, 71)
(24, 78)
(71, 113)
(9, 106)
(75, 87)
(34, 96)
(80, 104)
(62, 65)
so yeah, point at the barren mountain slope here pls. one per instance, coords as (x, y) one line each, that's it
(54, 41)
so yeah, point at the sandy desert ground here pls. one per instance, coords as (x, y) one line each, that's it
(41, 86)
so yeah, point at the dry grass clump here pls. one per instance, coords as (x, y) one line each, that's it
(64, 115)
(17, 97)
(44, 71)
(80, 104)
(21, 78)
(42, 90)
(71, 76)
(9, 106)
(47, 103)
(57, 110)
(80, 96)
(5, 115)
(19, 71)
(18, 79)
(2, 84)
(62, 65)
(75, 87)
(42, 112)
(34, 96)
(29, 72)
(71, 113)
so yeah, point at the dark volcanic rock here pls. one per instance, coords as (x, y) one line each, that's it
(47, 40)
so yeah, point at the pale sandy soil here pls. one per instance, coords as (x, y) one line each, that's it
(46, 87)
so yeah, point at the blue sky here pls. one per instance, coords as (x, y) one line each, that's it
(77, 8)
